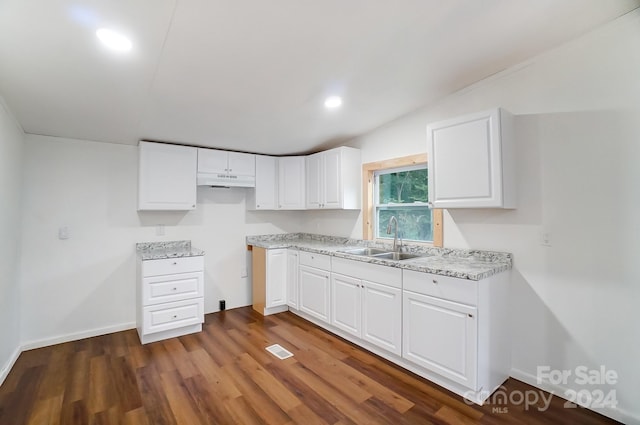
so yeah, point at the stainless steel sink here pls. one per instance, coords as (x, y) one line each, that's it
(398, 256)
(365, 251)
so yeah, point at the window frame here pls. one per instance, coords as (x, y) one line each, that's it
(368, 196)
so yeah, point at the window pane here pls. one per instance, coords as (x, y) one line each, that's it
(403, 187)
(414, 223)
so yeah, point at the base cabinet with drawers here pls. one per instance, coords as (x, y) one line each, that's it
(170, 294)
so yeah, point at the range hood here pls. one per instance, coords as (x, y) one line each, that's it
(225, 180)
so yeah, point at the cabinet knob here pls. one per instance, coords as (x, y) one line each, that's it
(175, 316)
(435, 281)
(175, 262)
(257, 205)
(230, 169)
(175, 289)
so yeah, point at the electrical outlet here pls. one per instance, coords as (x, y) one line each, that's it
(63, 232)
(243, 272)
(545, 238)
(160, 230)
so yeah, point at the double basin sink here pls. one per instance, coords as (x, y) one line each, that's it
(380, 253)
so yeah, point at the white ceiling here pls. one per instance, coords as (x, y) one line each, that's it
(252, 75)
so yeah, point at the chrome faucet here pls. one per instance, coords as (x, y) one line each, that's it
(392, 220)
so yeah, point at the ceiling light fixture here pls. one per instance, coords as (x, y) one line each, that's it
(333, 102)
(114, 40)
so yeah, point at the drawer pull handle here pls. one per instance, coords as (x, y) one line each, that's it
(435, 281)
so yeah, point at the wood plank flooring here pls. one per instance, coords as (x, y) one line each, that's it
(223, 375)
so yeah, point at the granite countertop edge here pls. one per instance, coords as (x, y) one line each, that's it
(463, 264)
(166, 249)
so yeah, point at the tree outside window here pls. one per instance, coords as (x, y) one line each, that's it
(403, 193)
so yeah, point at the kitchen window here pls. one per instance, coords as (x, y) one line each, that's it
(398, 187)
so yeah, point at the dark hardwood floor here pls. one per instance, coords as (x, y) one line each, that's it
(223, 375)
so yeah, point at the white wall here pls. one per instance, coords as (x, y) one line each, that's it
(578, 135)
(85, 285)
(11, 154)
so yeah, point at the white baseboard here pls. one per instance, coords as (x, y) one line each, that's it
(618, 414)
(39, 343)
(6, 368)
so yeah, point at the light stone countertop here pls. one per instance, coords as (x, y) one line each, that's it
(460, 263)
(168, 249)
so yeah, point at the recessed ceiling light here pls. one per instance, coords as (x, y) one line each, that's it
(333, 102)
(114, 40)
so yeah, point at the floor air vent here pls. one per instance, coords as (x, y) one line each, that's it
(279, 352)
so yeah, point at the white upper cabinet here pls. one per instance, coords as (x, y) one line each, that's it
(166, 177)
(265, 195)
(291, 186)
(217, 167)
(313, 165)
(333, 179)
(472, 161)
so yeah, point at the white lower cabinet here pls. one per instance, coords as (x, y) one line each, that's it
(315, 285)
(454, 332)
(367, 309)
(276, 284)
(382, 316)
(441, 336)
(170, 297)
(270, 275)
(292, 278)
(457, 331)
(315, 292)
(346, 303)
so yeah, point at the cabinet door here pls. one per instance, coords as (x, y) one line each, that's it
(346, 303)
(292, 278)
(465, 161)
(291, 183)
(242, 164)
(314, 176)
(213, 161)
(166, 177)
(276, 277)
(315, 291)
(382, 316)
(265, 190)
(332, 182)
(441, 336)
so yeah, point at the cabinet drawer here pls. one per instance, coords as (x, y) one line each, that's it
(319, 261)
(172, 266)
(167, 316)
(391, 276)
(449, 288)
(173, 287)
